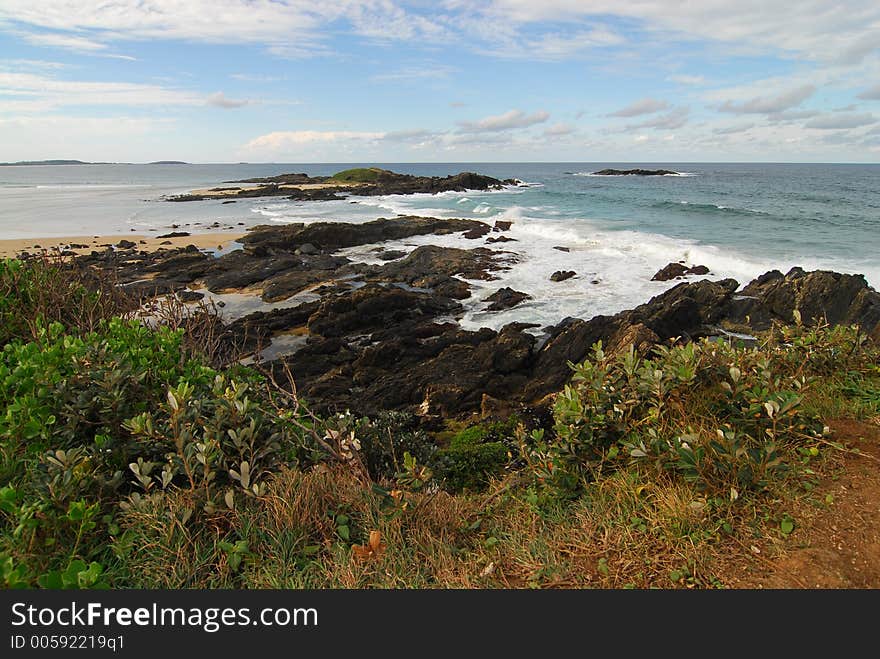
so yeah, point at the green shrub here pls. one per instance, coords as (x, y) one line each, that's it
(719, 416)
(474, 456)
(85, 419)
(387, 438)
(37, 292)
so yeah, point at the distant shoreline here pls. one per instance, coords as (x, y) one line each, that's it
(41, 163)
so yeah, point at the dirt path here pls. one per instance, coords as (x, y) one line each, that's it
(836, 541)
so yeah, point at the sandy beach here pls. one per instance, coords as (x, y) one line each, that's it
(9, 248)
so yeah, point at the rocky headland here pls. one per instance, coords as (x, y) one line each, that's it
(385, 336)
(362, 181)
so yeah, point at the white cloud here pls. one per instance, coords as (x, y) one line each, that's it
(19, 64)
(280, 141)
(255, 77)
(416, 73)
(287, 28)
(219, 100)
(642, 106)
(669, 121)
(46, 93)
(64, 41)
(792, 115)
(731, 130)
(507, 121)
(687, 79)
(558, 130)
(871, 93)
(842, 120)
(819, 29)
(770, 104)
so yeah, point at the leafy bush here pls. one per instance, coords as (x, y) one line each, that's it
(37, 292)
(719, 416)
(474, 455)
(387, 438)
(86, 419)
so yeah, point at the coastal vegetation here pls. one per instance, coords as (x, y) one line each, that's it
(138, 455)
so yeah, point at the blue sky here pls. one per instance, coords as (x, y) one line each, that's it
(445, 81)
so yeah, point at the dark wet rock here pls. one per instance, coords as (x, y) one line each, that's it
(562, 249)
(175, 234)
(501, 239)
(442, 375)
(820, 295)
(307, 249)
(331, 236)
(189, 296)
(238, 270)
(381, 182)
(391, 254)
(562, 275)
(683, 311)
(675, 270)
(430, 261)
(126, 244)
(505, 298)
(374, 307)
(444, 285)
(228, 201)
(381, 336)
(502, 225)
(477, 232)
(634, 172)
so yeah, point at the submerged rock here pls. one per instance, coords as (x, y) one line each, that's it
(562, 275)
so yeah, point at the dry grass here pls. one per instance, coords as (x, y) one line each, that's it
(626, 532)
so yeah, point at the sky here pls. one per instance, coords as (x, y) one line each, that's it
(440, 81)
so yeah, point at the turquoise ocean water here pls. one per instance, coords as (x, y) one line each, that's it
(740, 220)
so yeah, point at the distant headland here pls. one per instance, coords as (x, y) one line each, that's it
(24, 163)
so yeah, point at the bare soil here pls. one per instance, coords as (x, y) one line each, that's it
(836, 540)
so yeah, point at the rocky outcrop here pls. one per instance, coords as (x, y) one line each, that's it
(505, 298)
(383, 336)
(635, 172)
(330, 236)
(678, 270)
(820, 295)
(562, 275)
(368, 182)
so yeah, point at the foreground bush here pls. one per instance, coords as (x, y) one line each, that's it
(87, 419)
(725, 418)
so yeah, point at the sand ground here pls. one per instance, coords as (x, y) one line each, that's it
(11, 247)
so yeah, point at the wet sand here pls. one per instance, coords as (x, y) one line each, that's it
(9, 248)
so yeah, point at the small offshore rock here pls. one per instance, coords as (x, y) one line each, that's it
(562, 275)
(674, 270)
(506, 298)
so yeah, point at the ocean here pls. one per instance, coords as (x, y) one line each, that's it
(740, 220)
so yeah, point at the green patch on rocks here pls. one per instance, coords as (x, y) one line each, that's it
(359, 175)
